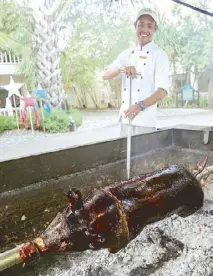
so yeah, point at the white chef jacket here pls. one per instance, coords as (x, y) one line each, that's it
(153, 65)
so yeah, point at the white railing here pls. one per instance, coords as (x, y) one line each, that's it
(8, 58)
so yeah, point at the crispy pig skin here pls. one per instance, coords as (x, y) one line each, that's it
(113, 216)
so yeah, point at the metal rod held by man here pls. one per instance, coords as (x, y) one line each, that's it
(129, 134)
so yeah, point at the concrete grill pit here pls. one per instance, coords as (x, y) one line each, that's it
(33, 192)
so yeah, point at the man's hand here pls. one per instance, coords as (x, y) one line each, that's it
(130, 71)
(132, 111)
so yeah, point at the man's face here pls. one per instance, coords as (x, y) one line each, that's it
(145, 28)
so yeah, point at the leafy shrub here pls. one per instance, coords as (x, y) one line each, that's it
(169, 101)
(203, 102)
(7, 123)
(58, 120)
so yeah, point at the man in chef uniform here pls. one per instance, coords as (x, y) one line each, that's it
(148, 66)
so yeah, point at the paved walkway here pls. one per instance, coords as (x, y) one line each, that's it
(97, 126)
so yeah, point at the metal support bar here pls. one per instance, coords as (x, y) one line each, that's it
(193, 8)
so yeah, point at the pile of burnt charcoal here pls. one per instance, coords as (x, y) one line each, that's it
(172, 247)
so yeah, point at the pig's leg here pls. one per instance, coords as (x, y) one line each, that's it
(97, 239)
(103, 230)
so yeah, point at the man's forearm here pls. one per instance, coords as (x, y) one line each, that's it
(135, 109)
(159, 95)
(110, 74)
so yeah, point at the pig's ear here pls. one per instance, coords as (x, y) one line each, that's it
(75, 198)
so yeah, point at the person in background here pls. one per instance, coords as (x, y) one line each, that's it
(148, 66)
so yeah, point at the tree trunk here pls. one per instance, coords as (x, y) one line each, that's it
(48, 52)
(174, 76)
(187, 76)
(194, 78)
(210, 86)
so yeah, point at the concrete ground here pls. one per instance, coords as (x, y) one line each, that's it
(97, 126)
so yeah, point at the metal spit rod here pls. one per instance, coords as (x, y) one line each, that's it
(129, 135)
(129, 129)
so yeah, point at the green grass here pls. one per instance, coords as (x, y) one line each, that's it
(7, 123)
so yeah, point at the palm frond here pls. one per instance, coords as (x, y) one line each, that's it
(61, 9)
(7, 42)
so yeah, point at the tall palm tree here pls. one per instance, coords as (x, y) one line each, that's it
(48, 23)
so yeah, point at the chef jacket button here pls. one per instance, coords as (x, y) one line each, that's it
(133, 52)
(144, 63)
(124, 89)
(147, 52)
(141, 77)
(138, 90)
(122, 101)
(136, 103)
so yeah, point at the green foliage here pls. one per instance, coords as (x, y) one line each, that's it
(186, 40)
(58, 120)
(203, 102)
(6, 42)
(169, 101)
(17, 26)
(97, 38)
(7, 123)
